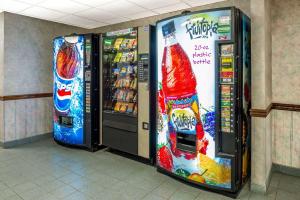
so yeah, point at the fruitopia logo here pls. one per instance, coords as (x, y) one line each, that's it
(201, 28)
(184, 120)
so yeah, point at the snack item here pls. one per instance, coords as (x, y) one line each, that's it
(130, 107)
(127, 81)
(118, 42)
(117, 107)
(116, 71)
(135, 109)
(117, 83)
(118, 57)
(123, 107)
(134, 98)
(124, 57)
(130, 43)
(129, 69)
(130, 56)
(134, 43)
(129, 96)
(123, 71)
(124, 44)
(134, 84)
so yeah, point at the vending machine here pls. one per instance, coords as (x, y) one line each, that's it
(76, 90)
(127, 55)
(201, 98)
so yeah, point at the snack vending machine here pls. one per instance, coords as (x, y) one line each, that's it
(125, 65)
(201, 94)
(76, 90)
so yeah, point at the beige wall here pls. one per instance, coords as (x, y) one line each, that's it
(286, 81)
(28, 53)
(27, 69)
(1, 50)
(286, 51)
(261, 164)
(1, 72)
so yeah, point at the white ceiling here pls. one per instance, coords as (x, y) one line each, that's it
(96, 13)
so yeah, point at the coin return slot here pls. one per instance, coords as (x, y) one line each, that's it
(186, 142)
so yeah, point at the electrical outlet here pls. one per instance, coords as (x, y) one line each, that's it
(145, 126)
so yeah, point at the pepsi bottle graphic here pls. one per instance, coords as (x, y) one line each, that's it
(67, 67)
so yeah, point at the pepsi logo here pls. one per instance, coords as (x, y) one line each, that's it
(63, 90)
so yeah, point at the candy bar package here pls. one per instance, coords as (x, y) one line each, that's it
(130, 107)
(135, 109)
(127, 81)
(130, 43)
(134, 43)
(117, 83)
(129, 96)
(124, 44)
(124, 57)
(118, 42)
(129, 69)
(123, 71)
(123, 107)
(116, 71)
(134, 98)
(134, 83)
(118, 57)
(117, 107)
(130, 56)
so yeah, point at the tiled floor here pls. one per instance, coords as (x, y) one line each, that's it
(47, 171)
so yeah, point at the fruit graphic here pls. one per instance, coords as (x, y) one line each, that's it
(199, 130)
(161, 101)
(202, 146)
(217, 173)
(197, 178)
(183, 173)
(164, 158)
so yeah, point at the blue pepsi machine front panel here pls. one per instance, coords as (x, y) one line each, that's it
(68, 111)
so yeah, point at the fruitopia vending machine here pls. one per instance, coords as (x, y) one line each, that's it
(76, 90)
(201, 96)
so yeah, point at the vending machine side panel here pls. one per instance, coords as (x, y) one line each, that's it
(143, 91)
(246, 97)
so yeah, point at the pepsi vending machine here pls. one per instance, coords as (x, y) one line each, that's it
(76, 90)
(201, 97)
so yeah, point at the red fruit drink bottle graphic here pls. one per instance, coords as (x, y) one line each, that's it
(67, 67)
(186, 134)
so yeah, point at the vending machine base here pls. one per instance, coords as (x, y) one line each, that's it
(202, 186)
(90, 149)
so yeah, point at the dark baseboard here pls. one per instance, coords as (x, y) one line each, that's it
(31, 139)
(286, 170)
